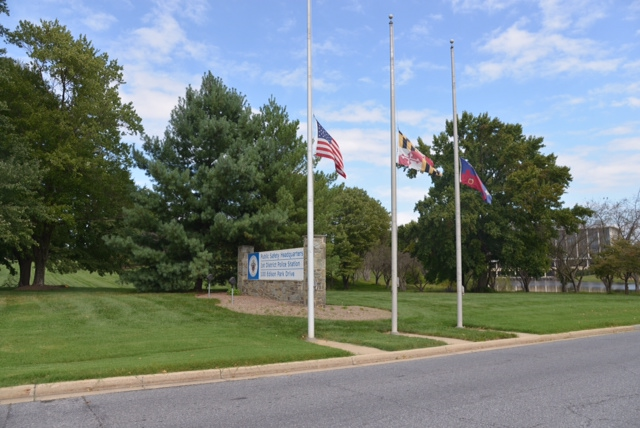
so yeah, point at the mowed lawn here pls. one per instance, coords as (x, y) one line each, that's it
(97, 328)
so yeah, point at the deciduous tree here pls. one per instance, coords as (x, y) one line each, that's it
(517, 228)
(624, 215)
(358, 223)
(377, 260)
(73, 130)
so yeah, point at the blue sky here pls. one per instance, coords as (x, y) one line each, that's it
(567, 71)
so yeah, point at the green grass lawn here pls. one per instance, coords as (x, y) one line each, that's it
(97, 327)
(80, 279)
(484, 313)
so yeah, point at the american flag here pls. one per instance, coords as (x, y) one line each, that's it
(328, 148)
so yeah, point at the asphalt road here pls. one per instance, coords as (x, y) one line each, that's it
(586, 382)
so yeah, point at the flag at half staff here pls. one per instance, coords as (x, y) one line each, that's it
(469, 177)
(328, 148)
(410, 157)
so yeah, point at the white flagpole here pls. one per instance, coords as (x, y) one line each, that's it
(456, 169)
(394, 219)
(310, 246)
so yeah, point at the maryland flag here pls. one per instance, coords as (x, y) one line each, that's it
(410, 157)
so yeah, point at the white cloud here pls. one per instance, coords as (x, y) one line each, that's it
(193, 10)
(633, 102)
(366, 145)
(483, 5)
(154, 95)
(415, 189)
(405, 217)
(406, 195)
(288, 78)
(328, 47)
(428, 122)
(353, 6)
(576, 14)
(616, 88)
(164, 39)
(633, 66)
(297, 78)
(623, 129)
(99, 21)
(521, 54)
(610, 169)
(573, 100)
(155, 55)
(405, 69)
(523, 51)
(287, 25)
(631, 144)
(419, 30)
(159, 41)
(365, 112)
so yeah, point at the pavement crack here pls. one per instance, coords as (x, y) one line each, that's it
(88, 404)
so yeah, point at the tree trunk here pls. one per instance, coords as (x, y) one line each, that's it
(578, 284)
(563, 286)
(198, 286)
(24, 265)
(41, 254)
(377, 275)
(345, 282)
(483, 282)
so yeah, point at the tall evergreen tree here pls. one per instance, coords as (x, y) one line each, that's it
(222, 176)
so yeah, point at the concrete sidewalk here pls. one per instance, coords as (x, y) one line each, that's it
(362, 356)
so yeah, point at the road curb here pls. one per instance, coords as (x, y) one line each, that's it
(58, 390)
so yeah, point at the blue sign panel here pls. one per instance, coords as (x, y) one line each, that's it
(254, 265)
(280, 265)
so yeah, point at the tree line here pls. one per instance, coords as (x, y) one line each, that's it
(525, 233)
(224, 175)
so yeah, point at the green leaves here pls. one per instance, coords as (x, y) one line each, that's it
(224, 176)
(357, 224)
(517, 228)
(65, 107)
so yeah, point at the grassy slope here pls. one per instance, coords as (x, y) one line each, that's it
(89, 333)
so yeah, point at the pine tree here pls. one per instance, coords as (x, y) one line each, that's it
(222, 176)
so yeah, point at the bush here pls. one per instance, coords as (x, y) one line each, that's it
(236, 291)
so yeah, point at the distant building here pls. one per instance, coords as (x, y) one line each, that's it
(580, 248)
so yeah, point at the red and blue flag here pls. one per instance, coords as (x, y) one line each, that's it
(469, 177)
